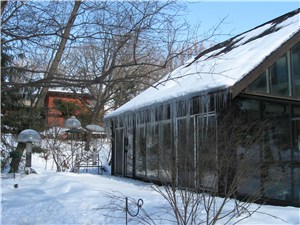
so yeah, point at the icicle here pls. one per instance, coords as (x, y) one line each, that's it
(138, 118)
(165, 111)
(187, 107)
(152, 114)
(207, 110)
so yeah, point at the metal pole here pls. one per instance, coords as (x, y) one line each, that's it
(139, 204)
(28, 154)
(94, 150)
(28, 158)
(72, 152)
(126, 208)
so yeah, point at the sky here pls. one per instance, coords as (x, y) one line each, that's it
(239, 16)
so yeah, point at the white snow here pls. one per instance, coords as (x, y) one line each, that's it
(217, 72)
(69, 198)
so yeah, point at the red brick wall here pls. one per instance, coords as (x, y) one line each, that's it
(54, 117)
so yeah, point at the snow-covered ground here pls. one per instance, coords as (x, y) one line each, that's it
(55, 198)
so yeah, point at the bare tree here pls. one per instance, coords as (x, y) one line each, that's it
(55, 145)
(128, 34)
(113, 49)
(128, 51)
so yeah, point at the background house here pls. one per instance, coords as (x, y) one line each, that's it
(62, 104)
(228, 118)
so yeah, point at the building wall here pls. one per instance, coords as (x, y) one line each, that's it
(54, 117)
(254, 140)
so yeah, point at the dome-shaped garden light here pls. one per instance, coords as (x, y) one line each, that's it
(72, 123)
(29, 136)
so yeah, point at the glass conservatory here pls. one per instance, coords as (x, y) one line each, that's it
(243, 135)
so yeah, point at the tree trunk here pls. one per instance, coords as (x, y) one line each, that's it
(54, 65)
(14, 165)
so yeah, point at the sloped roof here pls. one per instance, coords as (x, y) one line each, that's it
(221, 66)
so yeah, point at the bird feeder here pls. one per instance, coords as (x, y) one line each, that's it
(73, 124)
(95, 128)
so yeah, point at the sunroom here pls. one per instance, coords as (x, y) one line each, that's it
(231, 115)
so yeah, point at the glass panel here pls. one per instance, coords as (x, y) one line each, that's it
(277, 135)
(259, 85)
(119, 151)
(296, 183)
(129, 153)
(248, 173)
(296, 111)
(183, 107)
(279, 77)
(152, 152)
(250, 107)
(185, 152)
(195, 106)
(248, 153)
(166, 158)
(206, 171)
(296, 131)
(296, 158)
(296, 70)
(140, 152)
(278, 184)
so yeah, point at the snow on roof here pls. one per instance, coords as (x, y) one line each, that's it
(219, 67)
(69, 90)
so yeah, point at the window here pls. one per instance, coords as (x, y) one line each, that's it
(248, 150)
(259, 85)
(166, 158)
(295, 58)
(185, 152)
(296, 184)
(152, 151)
(128, 146)
(279, 77)
(206, 171)
(277, 134)
(296, 111)
(140, 152)
(282, 78)
(119, 151)
(296, 139)
(278, 183)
